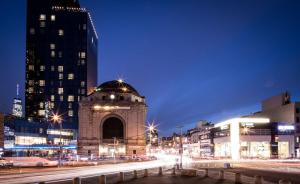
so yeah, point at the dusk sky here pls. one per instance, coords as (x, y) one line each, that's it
(192, 59)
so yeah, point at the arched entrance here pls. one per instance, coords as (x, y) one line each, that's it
(113, 127)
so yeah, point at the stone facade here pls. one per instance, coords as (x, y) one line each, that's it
(112, 120)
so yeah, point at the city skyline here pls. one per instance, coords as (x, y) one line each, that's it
(187, 64)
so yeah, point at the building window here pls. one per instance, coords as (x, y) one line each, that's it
(60, 32)
(60, 91)
(52, 46)
(70, 105)
(42, 17)
(82, 55)
(52, 68)
(30, 90)
(42, 68)
(60, 68)
(42, 82)
(71, 98)
(31, 67)
(78, 98)
(60, 54)
(41, 105)
(60, 76)
(61, 98)
(52, 54)
(52, 98)
(83, 91)
(51, 105)
(41, 112)
(297, 120)
(82, 84)
(52, 17)
(297, 139)
(70, 76)
(70, 113)
(42, 24)
(84, 26)
(297, 110)
(32, 31)
(83, 62)
(31, 82)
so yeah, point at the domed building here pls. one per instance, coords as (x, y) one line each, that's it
(112, 121)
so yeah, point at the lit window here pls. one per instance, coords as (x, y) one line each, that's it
(42, 24)
(61, 98)
(60, 68)
(60, 91)
(60, 54)
(78, 98)
(52, 105)
(84, 26)
(71, 98)
(82, 55)
(42, 82)
(42, 17)
(41, 112)
(30, 90)
(52, 98)
(42, 68)
(82, 62)
(70, 105)
(60, 32)
(52, 46)
(41, 105)
(82, 83)
(70, 113)
(30, 82)
(53, 54)
(60, 76)
(52, 17)
(70, 76)
(83, 91)
(31, 67)
(32, 31)
(52, 68)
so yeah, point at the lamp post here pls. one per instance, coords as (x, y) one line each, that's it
(57, 119)
(181, 146)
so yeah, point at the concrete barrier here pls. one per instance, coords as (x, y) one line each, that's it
(238, 179)
(102, 179)
(160, 172)
(146, 173)
(258, 180)
(221, 175)
(173, 171)
(135, 175)
(284, 182)
(188, 172)
(77, 180)
(121, 177)
(205, 172)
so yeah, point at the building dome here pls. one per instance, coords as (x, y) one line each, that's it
(116, 86)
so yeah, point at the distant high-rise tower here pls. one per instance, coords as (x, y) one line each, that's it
(17, 105)
(61, 58)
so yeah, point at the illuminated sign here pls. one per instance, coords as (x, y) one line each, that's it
(285, 127)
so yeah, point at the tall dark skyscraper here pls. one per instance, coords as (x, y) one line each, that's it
(61, 59)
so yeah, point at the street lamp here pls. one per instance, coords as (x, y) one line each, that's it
(58, 119)
(181, 145)
(151, 128)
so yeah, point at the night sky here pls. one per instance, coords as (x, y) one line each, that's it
(192, 60)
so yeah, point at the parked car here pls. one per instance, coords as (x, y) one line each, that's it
(5, 163)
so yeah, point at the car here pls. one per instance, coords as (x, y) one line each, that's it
(5, 163)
